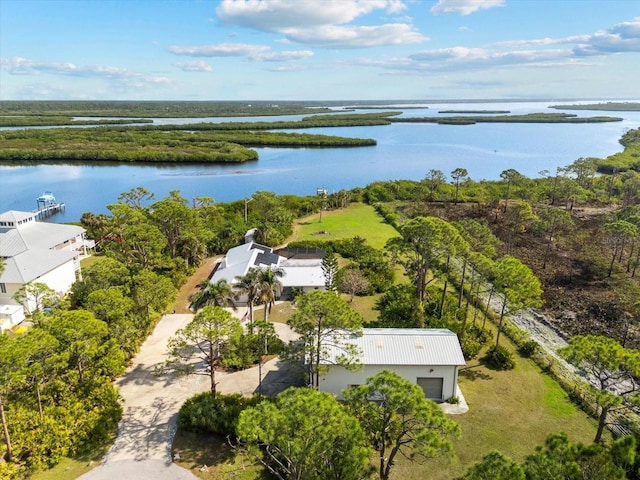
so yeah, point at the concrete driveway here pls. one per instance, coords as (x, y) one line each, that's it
(151, 404)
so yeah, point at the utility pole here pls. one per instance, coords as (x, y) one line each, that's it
(262, 358)
(322, 193)
(246, 210)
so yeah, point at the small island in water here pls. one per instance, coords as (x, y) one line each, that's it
(605, 107)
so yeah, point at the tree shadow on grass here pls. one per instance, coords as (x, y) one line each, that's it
(212, 457)
(473, 373)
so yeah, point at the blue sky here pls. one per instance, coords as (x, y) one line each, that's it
(319, 49)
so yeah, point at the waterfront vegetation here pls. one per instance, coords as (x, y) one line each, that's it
(527, 118)
(315, 121)
(226, 142)
(605, 106)
(493, 112)
(628, 159)
(58, 120)
(572, 232)
(141, 144)
(167, 109)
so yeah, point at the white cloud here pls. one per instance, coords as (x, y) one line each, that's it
(252, 52)
(464, 7)
(220, 50)
(538, 53)
(454, 53)
(544, 41)
(331, 36)
(24, 66)
(623, 37)
(275, 15)
(321, 23)
(195, 66)
(285, 56)
(464, 58)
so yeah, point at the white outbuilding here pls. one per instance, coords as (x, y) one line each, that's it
(428, 357)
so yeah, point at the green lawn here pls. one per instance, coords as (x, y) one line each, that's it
(356, 220)
(70, 468)
(510, 411)
(210, 457)
(88, 261)
(281, 312)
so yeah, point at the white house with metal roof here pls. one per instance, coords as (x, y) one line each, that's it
(428, 357)
(34, 251)
(302, 267)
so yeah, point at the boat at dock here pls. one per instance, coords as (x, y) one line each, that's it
(47, 205)
(46, 198)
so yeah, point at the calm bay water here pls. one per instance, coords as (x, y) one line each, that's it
(404, 151)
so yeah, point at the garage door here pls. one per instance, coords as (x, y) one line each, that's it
(432, 387)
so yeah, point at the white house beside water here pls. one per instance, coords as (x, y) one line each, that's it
(34, 251)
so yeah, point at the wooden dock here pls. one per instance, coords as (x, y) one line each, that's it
(48, 210)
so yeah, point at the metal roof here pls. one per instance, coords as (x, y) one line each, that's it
(403, 346)
(28, 247)
(15, 216)
(31, 265)
(34, 235)
(297, 272)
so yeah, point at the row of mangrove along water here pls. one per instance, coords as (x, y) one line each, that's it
(226, 142)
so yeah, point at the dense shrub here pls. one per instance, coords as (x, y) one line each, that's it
(388, 213)
(528, 348)
(370, 261)
(479, 334)
(399, 307)
(203, 413)
(500, 358)
(470, 348)
(247, 349)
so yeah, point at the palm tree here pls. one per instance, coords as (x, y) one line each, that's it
(268, 287)
(249, 285)
(217, 294)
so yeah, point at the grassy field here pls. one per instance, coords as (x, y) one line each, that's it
(356, 220)
(210, 457)
(510, 411)
(70, 468)
(281, 312)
